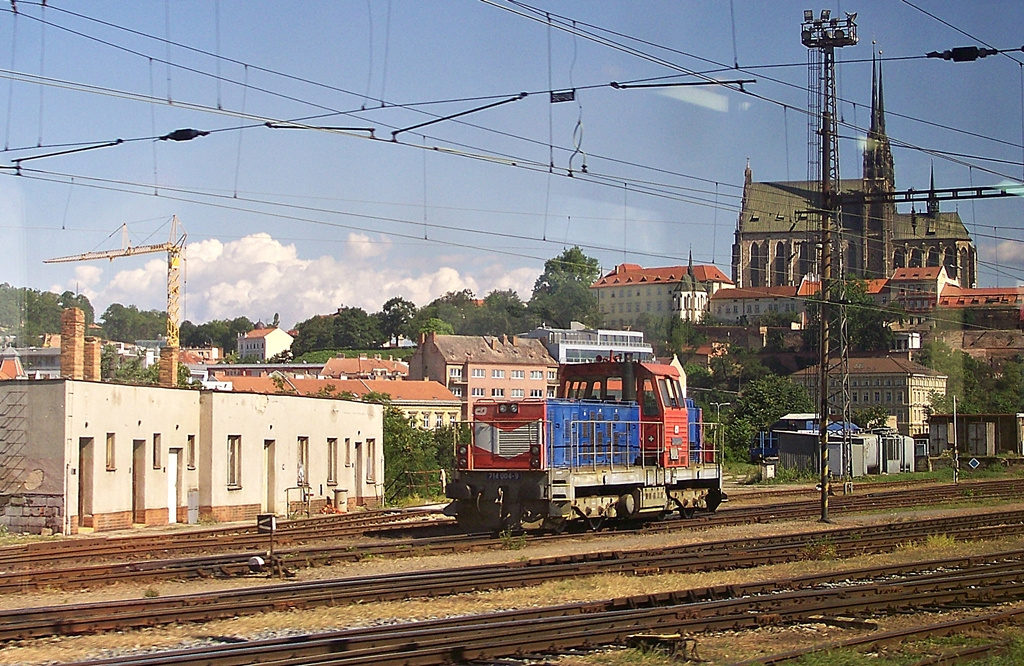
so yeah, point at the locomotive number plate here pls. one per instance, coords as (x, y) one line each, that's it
(503, 476)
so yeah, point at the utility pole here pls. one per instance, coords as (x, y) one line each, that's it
(822, 36)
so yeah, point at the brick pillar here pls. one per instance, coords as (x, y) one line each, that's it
(93, 354)
(168, 369)
(72, 343)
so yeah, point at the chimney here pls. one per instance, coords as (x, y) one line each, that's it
(167, 370)
(72, 343)
(93, 356)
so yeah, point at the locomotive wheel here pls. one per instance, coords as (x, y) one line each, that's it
(714, 498)
(555, 525)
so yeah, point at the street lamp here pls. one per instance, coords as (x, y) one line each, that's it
(718, 410)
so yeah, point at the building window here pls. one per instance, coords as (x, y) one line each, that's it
(348, 452)
(371, 459)
(478, 392)
(234, 461)
(497, 393)
(156, 451)
(878, 397)
(536, 393)
(479, 372)
(438, 420)
(888, 396)
(111, 451)
(455, 373)
(536, 374)
(497, 374)
(854, 396)
(552, 375)
(551, 393)
(517, 393)
(457, 391)
(518, 374)
(190, 452)
(426, 420)
(332, 461)
(301, 460)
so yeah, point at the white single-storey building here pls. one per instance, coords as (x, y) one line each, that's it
(79, 453)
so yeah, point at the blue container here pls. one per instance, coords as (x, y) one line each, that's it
(588, 434)
(693, 420)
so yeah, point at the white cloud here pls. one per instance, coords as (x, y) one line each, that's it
(258, 276)
(361, 246)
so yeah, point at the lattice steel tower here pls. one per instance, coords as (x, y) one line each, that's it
(822, 36)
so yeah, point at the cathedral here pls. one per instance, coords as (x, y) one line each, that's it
(777, 237)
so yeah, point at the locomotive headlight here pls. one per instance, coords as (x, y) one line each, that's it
(535, 450)
(502, 408)
(514, 408)
(462, 450)
(462, 463)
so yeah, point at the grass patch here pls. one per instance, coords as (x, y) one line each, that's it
(820, 549)
(510, 541)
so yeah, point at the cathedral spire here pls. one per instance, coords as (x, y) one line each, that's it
(878, 164)
(933, 201)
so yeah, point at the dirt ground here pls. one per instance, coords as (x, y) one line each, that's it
(720, 648)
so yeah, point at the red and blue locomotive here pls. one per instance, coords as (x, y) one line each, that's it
(621, 440)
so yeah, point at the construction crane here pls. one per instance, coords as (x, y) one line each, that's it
(174, 248)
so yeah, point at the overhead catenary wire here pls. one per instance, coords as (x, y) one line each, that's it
(298, 78)
(716, 186)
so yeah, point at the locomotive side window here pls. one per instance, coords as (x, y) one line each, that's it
(669, 392)
(650, 399)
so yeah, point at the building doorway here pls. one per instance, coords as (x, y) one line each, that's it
(139, 481)
(86, 453)
(269, 476)
(173, 484)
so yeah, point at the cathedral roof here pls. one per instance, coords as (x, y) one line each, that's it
(781, 207)
(921, 226)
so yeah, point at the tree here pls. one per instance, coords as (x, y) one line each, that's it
(317, 332)
(394, 317)
(435, 325)
(871, 417)
(502, 313)
(763, 401)
(562, 294)
(128, 324)
(355, 329)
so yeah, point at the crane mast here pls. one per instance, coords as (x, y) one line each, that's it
(174, 248)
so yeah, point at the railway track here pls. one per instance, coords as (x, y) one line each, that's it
(865, 592)
(730, 554)
(20, 578)
(207, 541)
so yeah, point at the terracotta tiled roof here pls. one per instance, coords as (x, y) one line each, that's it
(633, 274)
(401, 391)
(808, 288)
(927, 273)
(876, 286)
(755, 292)
(261, 332)
(489, 349)
(710, 273)
(337, 367)
(879, 365)
(10, 368)
(956, 297)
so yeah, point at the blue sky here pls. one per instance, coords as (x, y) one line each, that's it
(302, 221)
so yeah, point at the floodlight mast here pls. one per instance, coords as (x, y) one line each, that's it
(824, 35)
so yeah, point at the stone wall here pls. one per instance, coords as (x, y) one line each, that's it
(32, 513)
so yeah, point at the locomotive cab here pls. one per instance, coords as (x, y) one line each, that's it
(621, 440)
